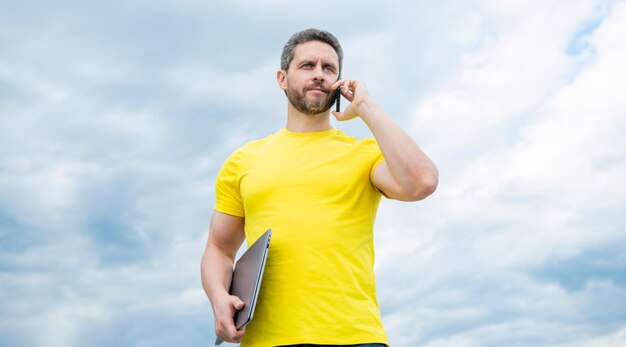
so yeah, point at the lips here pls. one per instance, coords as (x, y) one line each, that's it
(318, 89)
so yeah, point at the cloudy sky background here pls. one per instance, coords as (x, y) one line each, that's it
(115, 117)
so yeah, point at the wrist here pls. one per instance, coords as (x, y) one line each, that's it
(366, 109)
(217, 293)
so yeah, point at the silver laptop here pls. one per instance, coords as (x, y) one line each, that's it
(247, 278)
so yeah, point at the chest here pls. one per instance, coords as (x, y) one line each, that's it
(312, 173)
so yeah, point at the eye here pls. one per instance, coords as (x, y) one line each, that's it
(329, 69)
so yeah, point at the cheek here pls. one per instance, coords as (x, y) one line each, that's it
(295, 80)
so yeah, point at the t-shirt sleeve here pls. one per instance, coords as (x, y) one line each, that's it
(379, 159)
(376, 157)
(227, 193)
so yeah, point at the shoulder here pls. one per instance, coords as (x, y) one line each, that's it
(253, 145)
(251, 148)
(367, 143)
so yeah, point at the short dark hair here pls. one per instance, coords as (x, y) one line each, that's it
(306, 36)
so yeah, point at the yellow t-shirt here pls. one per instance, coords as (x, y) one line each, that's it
(315, 191)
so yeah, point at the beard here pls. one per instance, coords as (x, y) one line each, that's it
(307, 106)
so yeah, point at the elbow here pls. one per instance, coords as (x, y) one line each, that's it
(430, 185)
(425, 185)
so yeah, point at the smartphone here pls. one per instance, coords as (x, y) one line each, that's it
(338, 97)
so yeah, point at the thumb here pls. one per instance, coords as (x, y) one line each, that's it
(239, 303)
(347, 114)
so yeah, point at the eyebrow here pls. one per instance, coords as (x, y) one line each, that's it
(314, 61)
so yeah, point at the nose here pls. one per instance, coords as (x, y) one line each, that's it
(318, 73)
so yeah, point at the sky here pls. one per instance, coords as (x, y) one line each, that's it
(116, 116)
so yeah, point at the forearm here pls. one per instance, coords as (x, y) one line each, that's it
(226, 233)
(408, 164)
(217, 270)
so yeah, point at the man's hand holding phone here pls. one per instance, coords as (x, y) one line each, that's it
(355, 92)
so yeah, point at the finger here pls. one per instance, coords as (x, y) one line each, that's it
(239, 333)
(225, 327)
(235, 335)
(341, 116)
(237, 302)
(346, 93)
(222, 335)
(351, 87)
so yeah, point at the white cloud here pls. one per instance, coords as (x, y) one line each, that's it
(496, 168)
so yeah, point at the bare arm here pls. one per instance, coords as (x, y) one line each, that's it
(407, 173)
(226, 235)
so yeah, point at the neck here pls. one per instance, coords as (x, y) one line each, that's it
(299, 122)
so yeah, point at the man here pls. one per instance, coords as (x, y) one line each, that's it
(318, 189)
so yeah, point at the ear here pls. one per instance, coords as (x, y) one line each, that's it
(281, 77)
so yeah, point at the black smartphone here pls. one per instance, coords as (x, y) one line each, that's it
(338, 97)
